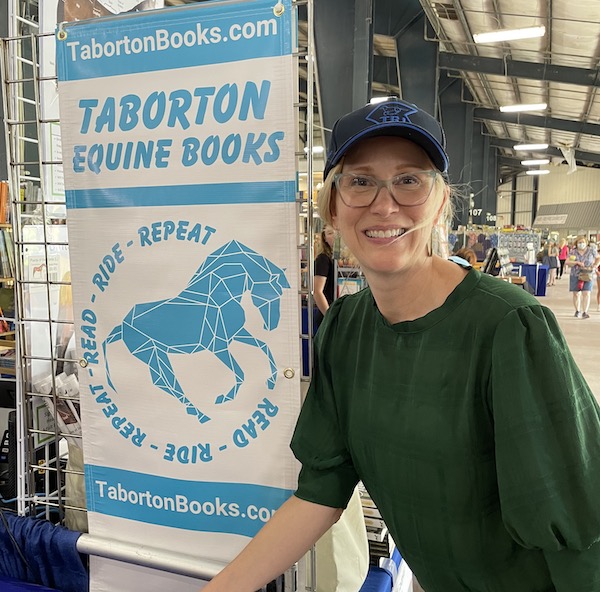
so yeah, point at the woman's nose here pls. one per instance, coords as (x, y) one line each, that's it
(384, 202)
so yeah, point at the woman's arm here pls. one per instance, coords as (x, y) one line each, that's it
(572, 262)
(319, 294)
(290, 533)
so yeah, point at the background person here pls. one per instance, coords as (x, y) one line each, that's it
(324, 280)
(583, 260)
(486, 477)
(563, 255)
(598, 288)
(551, 260)
(467, 255)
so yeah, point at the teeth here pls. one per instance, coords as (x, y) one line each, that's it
(384, 233)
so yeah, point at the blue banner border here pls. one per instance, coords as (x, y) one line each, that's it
(183, 195)
(199, 506)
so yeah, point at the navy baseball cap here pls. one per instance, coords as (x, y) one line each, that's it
(388, 118)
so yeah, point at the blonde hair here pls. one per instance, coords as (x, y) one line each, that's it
(326, 202)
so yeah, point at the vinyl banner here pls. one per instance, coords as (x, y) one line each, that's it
(178, 135)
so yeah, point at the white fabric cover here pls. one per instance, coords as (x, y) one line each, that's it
(343, 552)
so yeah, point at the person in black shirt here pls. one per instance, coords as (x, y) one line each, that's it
(324, 282)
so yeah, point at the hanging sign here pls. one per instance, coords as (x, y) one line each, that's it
(178, 140)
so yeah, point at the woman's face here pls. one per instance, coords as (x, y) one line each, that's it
(378, 235)
(581, 244)
(329, 234)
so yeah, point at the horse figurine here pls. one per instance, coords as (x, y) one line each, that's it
(206, 315)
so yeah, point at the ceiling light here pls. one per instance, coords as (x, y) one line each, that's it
(538, 172)
(534, 162)
(376, 100)
(523, 107)
(316, 149)
(530, 147)
(509, 35)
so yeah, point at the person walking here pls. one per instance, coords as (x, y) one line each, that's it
(552, 262)
(583, 261)
(563, 255)
(598, 289)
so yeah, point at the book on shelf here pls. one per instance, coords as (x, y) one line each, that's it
(371, 511)
(7, 256)
(378, 551)
(4, 203)
(10, 250)
(376, 534)
(374, 522)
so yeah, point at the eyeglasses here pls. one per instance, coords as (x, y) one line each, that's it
(407, 189)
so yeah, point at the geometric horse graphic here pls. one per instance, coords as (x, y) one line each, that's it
(206, 315)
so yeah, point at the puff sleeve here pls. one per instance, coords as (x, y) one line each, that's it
(547, 443)
(327, 476)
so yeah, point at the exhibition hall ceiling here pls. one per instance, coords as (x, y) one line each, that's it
(558, 69)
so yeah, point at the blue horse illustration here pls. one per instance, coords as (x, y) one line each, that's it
(206, 315)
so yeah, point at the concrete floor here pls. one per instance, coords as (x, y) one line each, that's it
(583, 335)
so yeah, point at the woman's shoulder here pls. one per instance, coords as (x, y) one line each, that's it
(493, 291)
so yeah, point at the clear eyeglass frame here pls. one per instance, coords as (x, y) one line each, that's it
(389, 185)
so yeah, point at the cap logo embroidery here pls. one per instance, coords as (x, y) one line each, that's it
(391, 113)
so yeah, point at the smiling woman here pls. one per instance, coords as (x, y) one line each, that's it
(486, 479)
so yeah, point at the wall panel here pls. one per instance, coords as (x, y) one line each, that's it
(558, 187)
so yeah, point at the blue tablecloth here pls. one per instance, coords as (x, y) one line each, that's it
(536, 276)
(38, 552)
(12, 585)
(378, 580)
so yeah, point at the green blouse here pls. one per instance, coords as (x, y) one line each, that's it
(474, 432)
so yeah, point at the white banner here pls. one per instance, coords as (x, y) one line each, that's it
(178, 136)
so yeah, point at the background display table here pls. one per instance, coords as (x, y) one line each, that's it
(536, 276)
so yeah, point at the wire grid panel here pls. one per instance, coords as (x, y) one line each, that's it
(49, 459)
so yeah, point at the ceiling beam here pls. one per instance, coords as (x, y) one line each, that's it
(518, 69)
(507, 143)
(508, 161)
(564, 125)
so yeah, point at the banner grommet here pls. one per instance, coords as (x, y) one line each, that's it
(278, 9)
